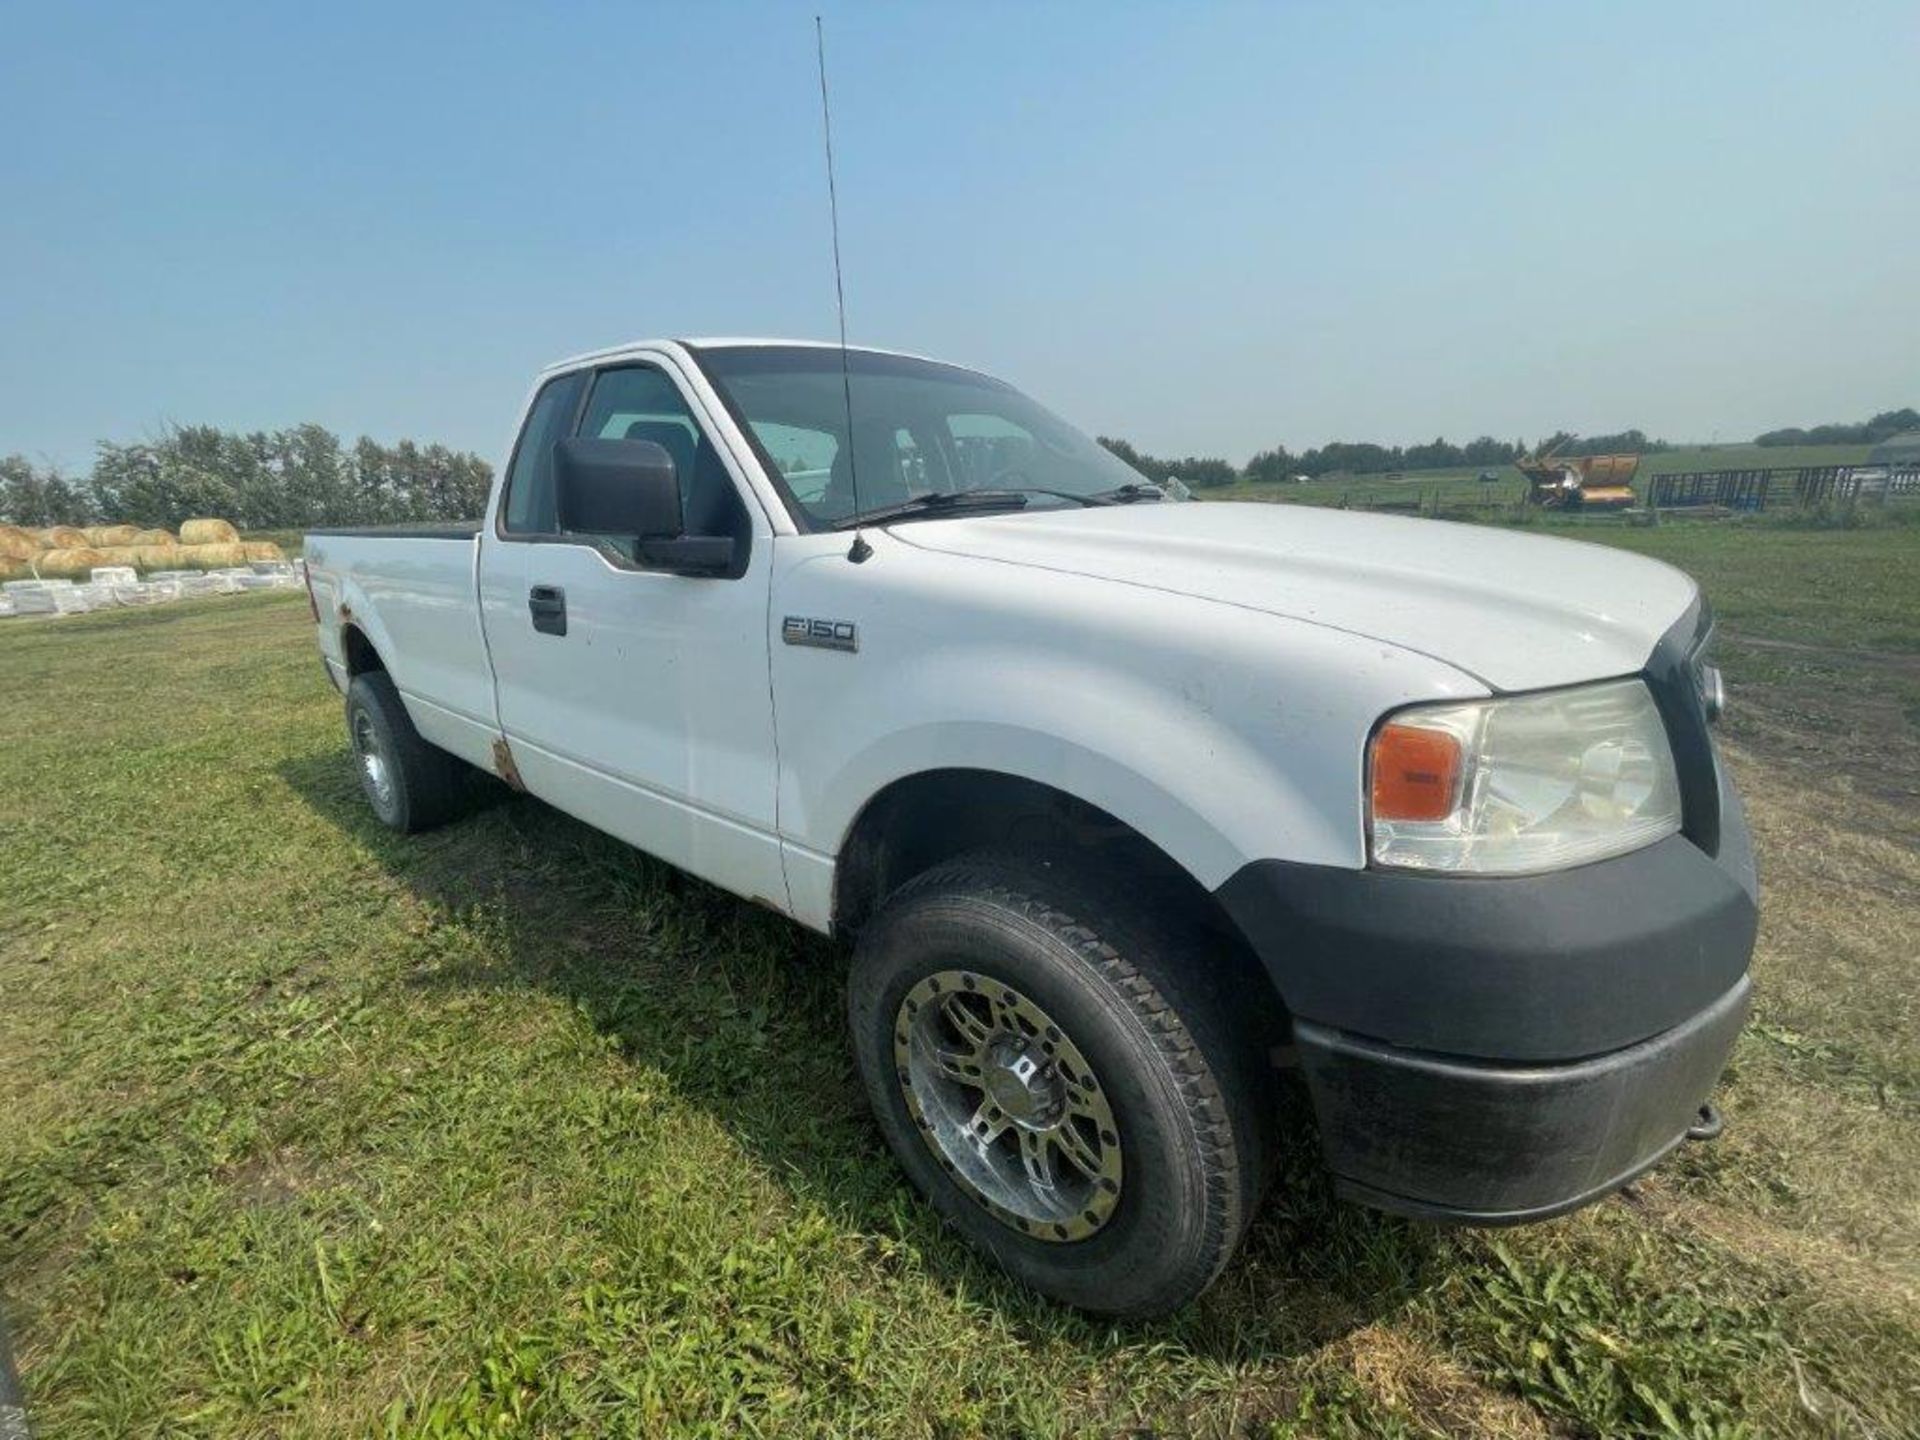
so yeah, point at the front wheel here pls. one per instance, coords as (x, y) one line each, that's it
(1055, 1067)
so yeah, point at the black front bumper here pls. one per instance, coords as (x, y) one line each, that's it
(1487, 1144)
(1495, 1050)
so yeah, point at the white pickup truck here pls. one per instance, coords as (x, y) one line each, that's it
(1123, 804)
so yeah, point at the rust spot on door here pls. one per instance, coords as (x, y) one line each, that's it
(504, 767)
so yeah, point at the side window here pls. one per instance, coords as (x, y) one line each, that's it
(639, 402)
(529, 508)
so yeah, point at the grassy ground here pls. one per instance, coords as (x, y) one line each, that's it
(313, 1130)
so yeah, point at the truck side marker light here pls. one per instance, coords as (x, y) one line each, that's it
(1416, 772)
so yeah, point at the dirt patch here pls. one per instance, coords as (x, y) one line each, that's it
(1875, 659)
(1847, 1270)
(274, 1177)
(1432, 1390)
(1843, 730)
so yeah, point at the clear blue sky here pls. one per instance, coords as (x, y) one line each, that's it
(1206, 229)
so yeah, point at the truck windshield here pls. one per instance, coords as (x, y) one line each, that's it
(919, 428)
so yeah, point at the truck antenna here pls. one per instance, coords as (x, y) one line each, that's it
(861, 549)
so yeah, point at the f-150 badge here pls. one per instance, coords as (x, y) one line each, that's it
(821, 634)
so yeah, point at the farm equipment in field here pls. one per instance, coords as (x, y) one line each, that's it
(1579, 482)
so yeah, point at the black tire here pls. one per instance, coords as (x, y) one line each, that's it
(1141, 998)
(424, 784)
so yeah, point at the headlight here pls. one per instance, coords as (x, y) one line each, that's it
(1522, 784)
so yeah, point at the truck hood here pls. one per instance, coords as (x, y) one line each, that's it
(1516, 611)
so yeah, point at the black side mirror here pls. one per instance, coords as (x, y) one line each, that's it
(617, 487)
(622, 488)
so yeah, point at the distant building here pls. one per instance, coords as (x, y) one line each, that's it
(1897, 450)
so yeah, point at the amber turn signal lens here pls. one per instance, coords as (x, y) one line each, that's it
(1415, 772)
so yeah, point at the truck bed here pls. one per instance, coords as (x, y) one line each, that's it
(410, 589)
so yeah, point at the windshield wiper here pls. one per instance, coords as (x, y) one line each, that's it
(1128, 493)
(950, 502)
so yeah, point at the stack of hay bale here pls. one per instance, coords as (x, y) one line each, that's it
(17, 547)
(68, 552)
(126, 565)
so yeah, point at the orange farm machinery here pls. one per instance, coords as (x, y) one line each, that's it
(1579, 482)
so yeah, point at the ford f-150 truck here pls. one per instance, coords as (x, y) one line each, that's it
(1123, 804)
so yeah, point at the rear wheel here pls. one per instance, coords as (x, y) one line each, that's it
(1053, 1064)
(410, 784)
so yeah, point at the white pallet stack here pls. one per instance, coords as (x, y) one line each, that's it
(112, 586)
(277, 574)
(188, 583)
(46, 597)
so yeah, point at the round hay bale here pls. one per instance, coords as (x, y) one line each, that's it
(155, 537)
(120, 554)
(262, 550)
(212, 557)
(157, 557)
(73, 563)
(17, 544)
(208, 532)
(11, 569)
(100, 536)
(63, 537)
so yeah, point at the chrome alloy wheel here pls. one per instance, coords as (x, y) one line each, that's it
(1008, 1105)
(374, 771)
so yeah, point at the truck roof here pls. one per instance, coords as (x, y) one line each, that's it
(720, 342)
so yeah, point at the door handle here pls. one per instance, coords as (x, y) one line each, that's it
(547, 604)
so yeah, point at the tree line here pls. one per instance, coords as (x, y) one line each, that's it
(1341, 457)
(263, 480)
(1883, 426)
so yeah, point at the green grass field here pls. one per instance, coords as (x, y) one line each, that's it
(504, 1130)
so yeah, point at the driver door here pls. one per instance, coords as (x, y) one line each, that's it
(635, 699)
